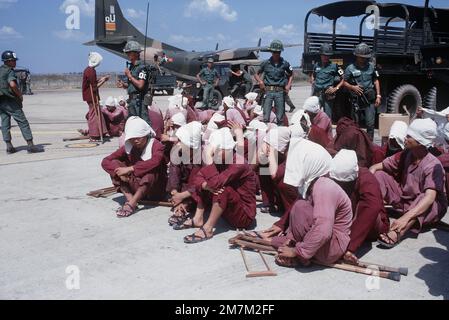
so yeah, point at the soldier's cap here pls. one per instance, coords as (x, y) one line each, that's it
(326, 50)
(9, 56)
(362, 50)
(210, 60)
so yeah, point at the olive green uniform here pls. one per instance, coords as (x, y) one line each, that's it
(10, 106)
(275, 79)
(325, 77)
(135, 103)
(363, 105)
(210, 76)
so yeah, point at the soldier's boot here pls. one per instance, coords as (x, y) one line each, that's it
(32, 148)
(10, 148)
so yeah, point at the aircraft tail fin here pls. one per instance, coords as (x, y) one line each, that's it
(111, 27)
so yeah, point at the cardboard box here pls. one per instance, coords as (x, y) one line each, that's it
(386, 120)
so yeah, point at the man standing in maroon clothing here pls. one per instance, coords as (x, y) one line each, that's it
(90, 81)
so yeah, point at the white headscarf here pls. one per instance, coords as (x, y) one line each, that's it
(252, 96)
(111, 102)
(446, 132)
(139, 128)
(344, 166)
(258, 110)
(424, 131)
(278, 138)
(190, 134)
(177, 101)
(229, 101)
(215, 118)
(255, 129)
(398, 132)
(179, 119)
(222, 139)
(95, 59)
(298, 116)
(312, 105)
(297, 132)
(306, 161)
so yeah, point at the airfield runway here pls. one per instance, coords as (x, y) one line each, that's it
(50, 229)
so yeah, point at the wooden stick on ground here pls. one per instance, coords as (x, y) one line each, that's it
(76, 138)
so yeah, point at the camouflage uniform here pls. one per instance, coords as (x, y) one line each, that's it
(209, 76)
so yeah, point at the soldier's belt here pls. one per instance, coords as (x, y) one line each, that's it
(133, 96)
(274, 88)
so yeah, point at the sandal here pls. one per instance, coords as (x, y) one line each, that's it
(177, 220)
(393, 243)
(184, 226)
(126, 211)
(193, 238)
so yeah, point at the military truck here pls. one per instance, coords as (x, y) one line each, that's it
(161, 83)
(410, 49)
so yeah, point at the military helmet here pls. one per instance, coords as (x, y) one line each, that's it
(211, 60)
(276, 46)
(132, 46)
(9, 55)
(362, 50)
(326, 50)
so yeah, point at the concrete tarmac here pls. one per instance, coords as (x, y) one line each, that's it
(53, 235)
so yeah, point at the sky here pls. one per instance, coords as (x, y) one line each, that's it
(36, 30)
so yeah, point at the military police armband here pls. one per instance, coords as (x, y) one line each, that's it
(376, 74)
(290, 68)
(143, 75)
(340, 72)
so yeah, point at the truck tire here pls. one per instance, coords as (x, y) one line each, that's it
(430, 100)
(407, 95)
(217, 99)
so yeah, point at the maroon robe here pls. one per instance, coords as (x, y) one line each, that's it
(444, 159)
(322, 121)
(239, 198)
(157, 120)
(115, 121)
(152, 173)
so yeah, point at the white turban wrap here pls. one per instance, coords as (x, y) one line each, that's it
(190, 134)
(139, 128)
(312, 105)
(258, 110)
(297, 132)
(278, 138)
(229, 101)
(111, 102)
(298, 116)
(177, 101)
(95, 59)
(398, 132)
(344, 166)
(179, 119)
(215, 118)
(424, 131)
(255, 129)
(222, 139)
(306, 162)
(252, 96)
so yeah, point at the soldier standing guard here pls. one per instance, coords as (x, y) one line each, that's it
(209, 78)
(362, 80)
(11, 100)
(277, 81)
(327, 79)
(138, 79)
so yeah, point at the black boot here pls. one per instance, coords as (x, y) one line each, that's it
(10, 148)
(32, 148)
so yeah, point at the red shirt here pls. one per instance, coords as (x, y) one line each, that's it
(89, 78)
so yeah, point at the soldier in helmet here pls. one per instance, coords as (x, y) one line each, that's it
(362, 80)
(277, 81)
(11, 104)
(138, 80)
(209, 78)
(327, 79)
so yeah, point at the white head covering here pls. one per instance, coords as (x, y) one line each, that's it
(222, 139)
(258, 110)
(256, 124)
(424, 131)
(278, 138)
(298, 115)
(252, 96)
(297, 131)
(95, 59)
(111, 102)
(177, 101)
(121, 98)
(139, 128)
(190, 134)
(179, 119)
(229, 101)
(306, 161)
(398, 132)
(215, 118)
(446, 132)
(256, 129)
(312, 105)
(344, 166)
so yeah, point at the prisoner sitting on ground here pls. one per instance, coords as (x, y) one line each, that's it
(227, 184)
(370, 217)
(318, 117)
(413, 182)
(114, 117)
(232, 113)
(138, 168)
(396, 139)
(185, 163)
(320, 222)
